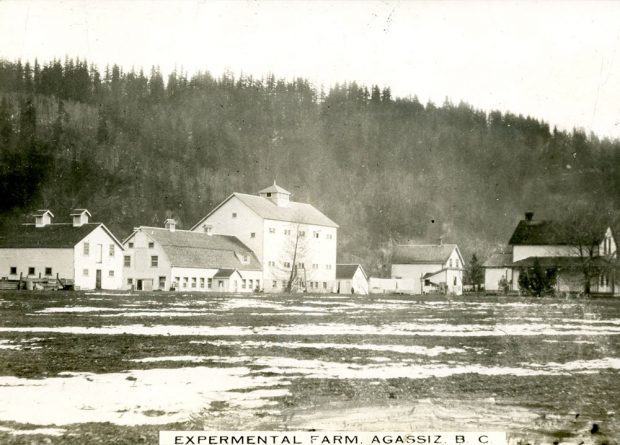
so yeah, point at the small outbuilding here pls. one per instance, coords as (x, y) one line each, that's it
(498, 273)
(351, 279)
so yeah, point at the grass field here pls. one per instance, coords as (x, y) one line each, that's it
(101, 368)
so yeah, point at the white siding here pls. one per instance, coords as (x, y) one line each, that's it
(60, 260)
(141, 268)
(415, 272)
(493, 275)
(93, 262)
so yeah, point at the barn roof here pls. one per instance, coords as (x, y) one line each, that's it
(423, 253)
(295, 212)
(346, 271)
(499, 260)
(548, 232)
(198, 249)
(51, 236)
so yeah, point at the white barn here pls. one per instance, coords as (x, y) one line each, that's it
(79, 253)
(288, 237)
(431, 268)
(170, 259)
(351, 279)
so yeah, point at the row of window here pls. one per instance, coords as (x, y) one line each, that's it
(311, 284)
(455, 261)
(31, 271)
(287, 265)
(86, 249)
(607, 246)
(86, 273)
(199, 283)
(154, 261)
(151, 245)
(301, 233)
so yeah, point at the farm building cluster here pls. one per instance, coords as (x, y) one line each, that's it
(261, 243)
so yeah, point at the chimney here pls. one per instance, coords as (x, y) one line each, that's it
(529, 216)
(170, 224)
(80, 217)
(42, 218)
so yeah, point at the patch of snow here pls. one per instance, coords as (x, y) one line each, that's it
(44, 431)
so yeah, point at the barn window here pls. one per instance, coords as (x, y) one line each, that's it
(130, 245)
(243, 283)
(268, 194)
(13, 270)
(31, 271)
(274, 284)
(234, 215)
(154, 261)
(427, 282)
(127, 261)
(111, 273)
(287, 264)
(455, 281)
(272, 230)
(193, 282)
(316, 234)
(329, 236)
(250, 284)
(210, 283)
(162, 282)
(450, 262)
(151, 245)
(253, 235)
(302, 234)
(202, 283)
(324, 284)
(287, 231)
(86, 248)
(48, 271)
(129, 281)
(185, 281)
(85, 272)
(301, 265)
(315, 266)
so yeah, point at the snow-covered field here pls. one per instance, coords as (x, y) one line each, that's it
(178, 361)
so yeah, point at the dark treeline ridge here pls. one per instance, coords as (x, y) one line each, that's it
(136, 148)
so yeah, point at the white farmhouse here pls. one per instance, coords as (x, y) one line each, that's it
(351, 279)
(170, 259)
(289, 238)
(429, 267)
(80, 253)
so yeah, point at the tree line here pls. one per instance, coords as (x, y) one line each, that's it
(136, 148)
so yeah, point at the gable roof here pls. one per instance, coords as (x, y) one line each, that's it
(197, 249)
(546, 232)
(225, 273)
(498, 260)
(275, 189)
(295, 212)
(424, 253)
(346, 271)
(51, 236)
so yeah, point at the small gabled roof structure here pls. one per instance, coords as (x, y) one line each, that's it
(274, 189)
(424, 253)
(225, 273)
(295, 212)
(79, 212)
(347, 271)
(531, 232)
(51, 236)
(201, 250)
(42, 212)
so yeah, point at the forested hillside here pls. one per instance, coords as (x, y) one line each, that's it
(135, 148)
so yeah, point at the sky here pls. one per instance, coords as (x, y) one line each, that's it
(556, 61)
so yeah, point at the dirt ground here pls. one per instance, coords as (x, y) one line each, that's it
(87, 367)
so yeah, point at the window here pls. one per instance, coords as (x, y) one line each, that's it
(202, 283)
(301, 266)
(151, 245)
(455, 281)
(154, 261)
(245, 259)
(272, 263)
(450, 262)
(287, 265)
(328, 266)
(427, 282)
(287, 231)
(243, 284)
(272, 230)
(274, 284)
(268, 194)
(302, 234)
(111, 273)
(234, 215)
(162, 283)
(316, 234)
(257, 284)
(185, 281)
(315, 266)
(13, 270)
(220, 284)
(129, 281)
(324, 284)
(251, 284)
(85, 272)
(193, 282)
(86, 248)
(130, 245)
(283, 284)
(209, 283)
(329, 236)
(252, 235)
(48, 271)
(31, 271)
(207, 229)
(111, 249)
(127, 262)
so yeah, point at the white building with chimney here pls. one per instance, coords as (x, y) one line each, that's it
(170, 259)
(80, 253)
(294, 241)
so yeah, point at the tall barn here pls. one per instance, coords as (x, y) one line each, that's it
(290, 239)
